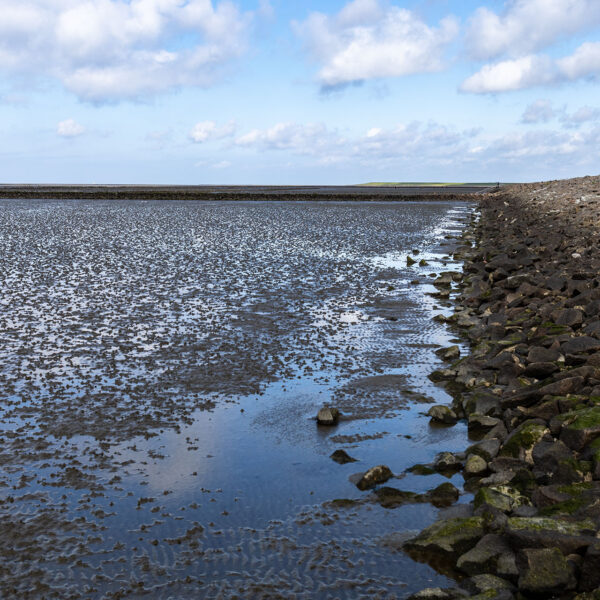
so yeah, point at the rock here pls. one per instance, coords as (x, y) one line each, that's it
(475, 466)
(449, 354)
(442, 414)
(446, 539)
(374, 476)
(487, 449)
(493, 496)
(342, 457)
(443, 495)
(328, 416)
(480, 424)
(544, 572)
(519, 444)
(540, 370)
(547, 455)
(439, 594)
(570, 317)
(546, 532)
(538, 354)
(390, 497)
(577, 345)
(486, 583)
(420, 469)
(446, 461)
(410, 261)
(580, 427)
(485, 557)
(590, 569)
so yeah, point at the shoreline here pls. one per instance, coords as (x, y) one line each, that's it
(529, 306)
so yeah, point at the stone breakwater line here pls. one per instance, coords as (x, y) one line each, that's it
(529, 304)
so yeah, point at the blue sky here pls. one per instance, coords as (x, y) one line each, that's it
(286, 92)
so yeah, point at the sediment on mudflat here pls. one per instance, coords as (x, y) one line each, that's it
(529, 305)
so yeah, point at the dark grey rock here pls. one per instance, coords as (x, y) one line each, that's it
(544, 572)
(484, 557)
(590, 569)
(577, 345)
(342, 457)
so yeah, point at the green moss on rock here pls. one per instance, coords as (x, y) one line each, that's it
(522, 440)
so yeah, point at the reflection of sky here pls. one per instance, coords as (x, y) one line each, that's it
(274, 444)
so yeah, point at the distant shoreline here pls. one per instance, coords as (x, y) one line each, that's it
(224, 193)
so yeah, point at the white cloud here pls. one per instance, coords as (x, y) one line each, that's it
(582, 115)
(370, 39)
(106, 50)
(510, 75)
(304, 139)
(209, 130)
(69, 129)
(526, 26)
(540, 111)
(535, 70)
(584, 62)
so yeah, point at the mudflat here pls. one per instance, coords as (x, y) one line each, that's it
(163, 364)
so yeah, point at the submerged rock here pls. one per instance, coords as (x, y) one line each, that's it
(342, 457)
(443, 495)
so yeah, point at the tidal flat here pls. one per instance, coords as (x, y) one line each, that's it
(162, 364)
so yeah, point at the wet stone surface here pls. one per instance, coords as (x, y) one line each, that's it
(162, 364)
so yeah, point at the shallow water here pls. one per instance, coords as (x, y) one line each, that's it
(162, 365)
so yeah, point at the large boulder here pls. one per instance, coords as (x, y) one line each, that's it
(446, 539)
(492, 554)
(544, 572)
(546, 532)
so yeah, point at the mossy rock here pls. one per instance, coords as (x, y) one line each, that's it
(521, 441)
(580, 427)
(578, 500)
(390, 497)
(502, 497)
(548, 532)
(446, 539)
(422, 470)
(410, 261)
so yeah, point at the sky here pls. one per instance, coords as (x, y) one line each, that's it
(298, 92)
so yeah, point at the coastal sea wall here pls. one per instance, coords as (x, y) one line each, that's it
(529, 305)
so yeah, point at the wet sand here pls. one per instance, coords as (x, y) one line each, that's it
(163, 363)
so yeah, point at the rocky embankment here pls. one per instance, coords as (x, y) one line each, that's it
(529, 305)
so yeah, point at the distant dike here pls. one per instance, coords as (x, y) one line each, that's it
(233, 193)
(529, 306)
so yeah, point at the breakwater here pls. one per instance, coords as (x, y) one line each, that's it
(529, 306)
